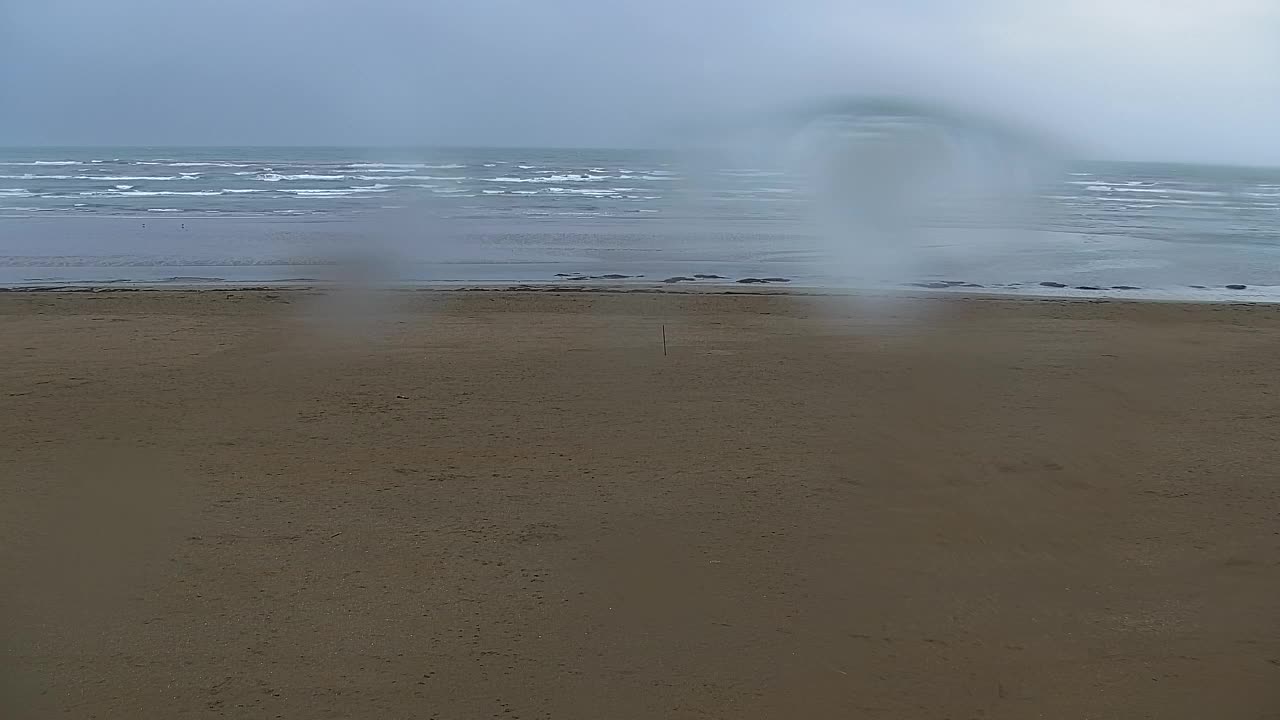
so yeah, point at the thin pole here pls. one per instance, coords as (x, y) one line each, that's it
(664, 340)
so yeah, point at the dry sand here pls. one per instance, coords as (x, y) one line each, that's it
(512, 505)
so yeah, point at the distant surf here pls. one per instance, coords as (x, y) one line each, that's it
(525, 215)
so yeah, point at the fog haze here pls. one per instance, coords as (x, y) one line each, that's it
(1143, 79)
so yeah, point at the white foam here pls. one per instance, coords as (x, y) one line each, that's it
(191, 164)
(242, 191)
(130, 177)
(124, 187)
(580, 191)
(335, 192)
(390, 177)
(1153, 190)
(164, 210)
(45, 162)
(16, 192)
(551, 179)
(29, 176)
(373, 167)
(275, 177)
(149, 193)
(647, 177)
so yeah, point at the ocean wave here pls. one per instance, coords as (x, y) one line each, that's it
(148, 193)
(580, 191)
(391, 177)
(550, 179)
(44, 162)
(124, 187)
(373, 167)
(1154, 190)
(1166, 201)
(1110, 183)
(16, 192)
(242, 191)
(30, 176)
(133, 177)
(164, 210)
(189, 164)
(336, 192)
(275, 177)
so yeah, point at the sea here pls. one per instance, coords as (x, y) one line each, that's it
(236, 215)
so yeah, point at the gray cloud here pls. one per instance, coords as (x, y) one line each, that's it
(1176, 79)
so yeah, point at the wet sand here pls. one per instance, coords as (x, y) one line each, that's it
(514, 505)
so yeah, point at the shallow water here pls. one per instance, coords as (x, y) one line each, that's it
(524, 215)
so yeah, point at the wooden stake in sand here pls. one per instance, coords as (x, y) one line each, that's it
(664, 341)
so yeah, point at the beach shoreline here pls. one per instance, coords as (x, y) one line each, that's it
(952, 290)
(739, 501)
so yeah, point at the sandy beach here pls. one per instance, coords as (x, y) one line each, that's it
(465, 504)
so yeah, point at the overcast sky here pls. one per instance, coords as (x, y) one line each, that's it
(1145, 79)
